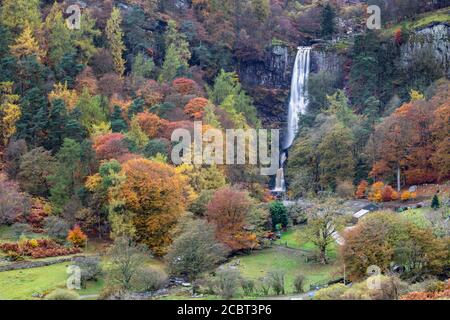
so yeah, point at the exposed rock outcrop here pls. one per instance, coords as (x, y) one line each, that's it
(268, 81)
(434, 41)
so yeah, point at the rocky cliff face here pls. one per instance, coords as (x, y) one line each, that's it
(433, 41)
(268, 81)
(327, 61)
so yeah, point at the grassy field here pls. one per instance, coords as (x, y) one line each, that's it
(258, 264)
(22, 284)
(291, 239)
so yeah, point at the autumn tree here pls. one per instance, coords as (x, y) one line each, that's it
(149, 123)
(77, 237)
(323, 223)
(154, 193)
(228, 211)
(13, 203)
(110, 146)
(196, 108)
(116, 46)
(195, 250)
(383, 238)
(261, 9)
(35, 166)
(184, 86)
(126, 258)
(16, 14)
(337, 161)
(26, 45)
(361, 191)
(9, 112)
(59, 36)
(62, 92)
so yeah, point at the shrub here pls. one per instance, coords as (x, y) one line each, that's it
(333, 292)
(77, 237)
(20, 229)
(264, 286)
(435, 203)
(62, 294)
(299, 283)
(14, 256)
(91, 268)
(406, 195)
(248, 286)
(149, 279)
(195, 251)
(279, 214)
(344, 189)
(45, 248)
(34, 243)
(276, 278)
(361, 192)
(56, 228)
(228, 283)
(13, 204)
(389, 194)
(375, 193)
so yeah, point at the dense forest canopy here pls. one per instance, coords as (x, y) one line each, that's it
(87, 115)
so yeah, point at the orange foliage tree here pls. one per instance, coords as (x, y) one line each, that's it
(184, 86)
(150, 123)
(154, 193)
(389, 194)
(151, 92)
(196, 108)
(228, 210)
(414, 140)
(110, 146)
(398, 37)
(77, 237)
(362, 189)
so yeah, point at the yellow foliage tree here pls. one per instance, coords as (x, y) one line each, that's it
(114, 35)
(9, 112)
(26, 45)
(61, 91)
(153, 193)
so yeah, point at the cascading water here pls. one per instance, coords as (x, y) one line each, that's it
(299, 94)
(297, 106)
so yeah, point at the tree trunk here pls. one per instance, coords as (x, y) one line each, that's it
(399, 186)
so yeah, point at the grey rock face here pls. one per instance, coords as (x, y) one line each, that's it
(272, 71)
(268, 81)
(327, 61)
(434, 40)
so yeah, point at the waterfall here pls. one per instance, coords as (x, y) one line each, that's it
(299, 94)
(297, 106)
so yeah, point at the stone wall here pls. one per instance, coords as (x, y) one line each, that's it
(34, 264)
